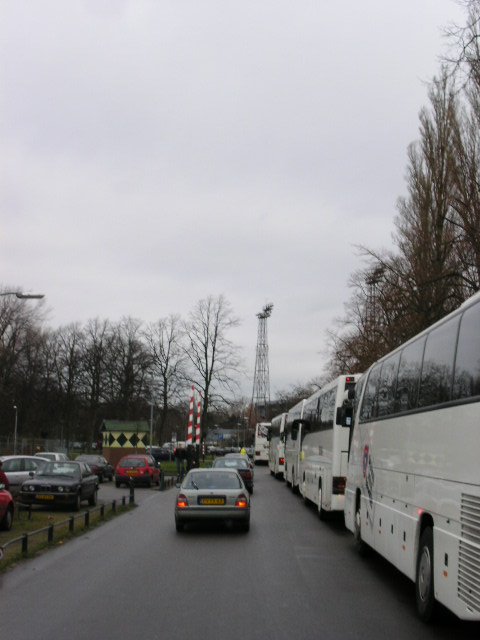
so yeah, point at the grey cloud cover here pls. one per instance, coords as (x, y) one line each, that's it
(156, 152)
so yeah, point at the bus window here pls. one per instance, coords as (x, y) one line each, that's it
(437, 370)
(467, 365)
(387, 385)
(408, 379)
(370, 399)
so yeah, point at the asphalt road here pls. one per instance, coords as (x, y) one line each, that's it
(292, 577)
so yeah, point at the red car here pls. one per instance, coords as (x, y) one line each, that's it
(6, 509)
(141, 468)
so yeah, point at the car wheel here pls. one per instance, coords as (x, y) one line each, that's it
(424, 587)
(78, 502)
(117, 483)
(92, 501)
(179, 526)
(100, 477)
(245, 526)
(7, 521)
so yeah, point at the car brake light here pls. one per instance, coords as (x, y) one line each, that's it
(182, 501)
(282, 461)
(241, 501)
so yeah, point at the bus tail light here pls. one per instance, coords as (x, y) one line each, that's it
(338, 485)
(281, 461)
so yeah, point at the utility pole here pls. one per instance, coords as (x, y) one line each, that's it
(261, 381)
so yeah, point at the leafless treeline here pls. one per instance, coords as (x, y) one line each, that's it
(436, 261)
(64, 382)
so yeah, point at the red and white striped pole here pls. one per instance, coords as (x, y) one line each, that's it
(190, 421)
(197, 432)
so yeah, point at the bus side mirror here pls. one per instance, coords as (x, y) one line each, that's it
(344, 416)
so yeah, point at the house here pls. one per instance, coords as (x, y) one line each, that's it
(123, 437)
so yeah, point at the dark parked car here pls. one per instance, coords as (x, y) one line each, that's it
(142, 469)
(65, 483)
(98, 464)
(241, 465)
(160, 453)
(6, 509)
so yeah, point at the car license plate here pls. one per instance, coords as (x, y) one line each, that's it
(212, 501)
(44, 496)
(131, 472)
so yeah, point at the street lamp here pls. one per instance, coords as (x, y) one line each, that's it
(15, 432)
(24, 295)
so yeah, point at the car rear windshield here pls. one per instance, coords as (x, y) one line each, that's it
(212, 481)
(231, 463)
(132, 462)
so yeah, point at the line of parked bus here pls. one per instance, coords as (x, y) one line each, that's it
(397, 450)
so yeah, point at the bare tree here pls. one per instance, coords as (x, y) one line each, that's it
(213, 359)
(164, 342)
(67, 348)
(127, 367)
(96, 341)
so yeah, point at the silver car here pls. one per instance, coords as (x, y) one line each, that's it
(18, 469)
(212, 495)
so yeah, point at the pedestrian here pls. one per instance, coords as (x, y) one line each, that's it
(180, 460)
(3, 477)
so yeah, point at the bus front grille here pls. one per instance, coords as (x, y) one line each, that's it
(468, 587)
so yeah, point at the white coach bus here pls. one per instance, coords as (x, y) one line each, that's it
(276, 452)
(294, 431)
(323, 447)
(413, 481)
(260, 450)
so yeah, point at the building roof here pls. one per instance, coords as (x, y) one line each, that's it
(129, 426)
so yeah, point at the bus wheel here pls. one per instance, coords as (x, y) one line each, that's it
(321, 510)
(295, 488)
(360, 546)
(424, 588)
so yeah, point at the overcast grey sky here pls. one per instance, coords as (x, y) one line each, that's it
(155, 152)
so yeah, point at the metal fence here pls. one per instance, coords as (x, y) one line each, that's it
(48, 532)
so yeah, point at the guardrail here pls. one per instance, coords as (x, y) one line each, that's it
(24, 539)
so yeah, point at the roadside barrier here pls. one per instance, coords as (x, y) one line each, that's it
(166, 482)
(49, 531)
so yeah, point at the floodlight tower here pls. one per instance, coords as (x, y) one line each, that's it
(261, 382)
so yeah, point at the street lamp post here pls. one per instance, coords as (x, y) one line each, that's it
(15, 432)
(24, 295)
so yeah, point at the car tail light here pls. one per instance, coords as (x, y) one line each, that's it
(338, 485)
(182, 501)
(248, 474)
(241, 501)
(281, 461)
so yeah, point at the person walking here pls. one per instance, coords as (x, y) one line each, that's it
(180, 460)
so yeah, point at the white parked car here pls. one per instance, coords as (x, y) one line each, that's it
(53, 455)
(18, 469)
